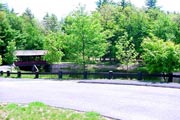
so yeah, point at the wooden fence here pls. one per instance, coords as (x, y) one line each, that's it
(85, 75)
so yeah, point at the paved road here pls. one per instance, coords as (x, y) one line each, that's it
(118, 101)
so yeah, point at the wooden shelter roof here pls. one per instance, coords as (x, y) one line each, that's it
(30, 52)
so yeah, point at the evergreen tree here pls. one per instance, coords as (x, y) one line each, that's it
(100, 3)
(28, 14)
(51, 23)
(124, 3)
(151, 3)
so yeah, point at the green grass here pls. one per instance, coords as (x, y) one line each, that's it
(40, 111)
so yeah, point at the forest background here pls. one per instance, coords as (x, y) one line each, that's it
(118, 31)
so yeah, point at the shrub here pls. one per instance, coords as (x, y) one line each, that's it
(160, 56)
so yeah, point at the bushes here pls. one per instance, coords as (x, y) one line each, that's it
(160, 56)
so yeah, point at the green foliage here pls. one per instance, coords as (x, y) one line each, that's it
(54, 44)
(6, 32)
(33, 34)
(160, 56)
(23, 30)
(9, 56)
(162, 25)
(107, 18)
(99, 30)
(126, 52)
(84, 36)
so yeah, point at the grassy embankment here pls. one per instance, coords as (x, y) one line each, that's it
(40, 111)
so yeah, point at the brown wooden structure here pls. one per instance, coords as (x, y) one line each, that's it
(30, 57)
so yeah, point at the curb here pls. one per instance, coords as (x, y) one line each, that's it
(132, 84)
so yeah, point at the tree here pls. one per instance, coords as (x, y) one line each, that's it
(7, 34)
(162, 25)
(9, 56)
(124, 3)
(100, 3)
(51, 23)
(160, 56)
(32, 32)
(176, 20)
(34, 37)
(135, 23)
(126, 52)
(85, 37)
(54, 44)
(28, 14)
(17, 24)
(3, 7)
(151, 3)
(109, 25)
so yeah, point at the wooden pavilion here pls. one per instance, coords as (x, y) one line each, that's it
(30, 58)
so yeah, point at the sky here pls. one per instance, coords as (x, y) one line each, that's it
(61, 8)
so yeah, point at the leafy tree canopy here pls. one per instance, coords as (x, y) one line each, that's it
(54, 45)
(85, 35)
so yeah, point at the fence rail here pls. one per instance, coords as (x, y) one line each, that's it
(108, 75)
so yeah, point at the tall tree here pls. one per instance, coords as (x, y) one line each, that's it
(7, 34)
(124, 3)
(54, 44)
(162, 25)
(85, 36)
(17, 24)
(151, 3)
(109, 25)
(28, 14)
(3, 7)
(100, 3)
(32, 32)
(51, 23)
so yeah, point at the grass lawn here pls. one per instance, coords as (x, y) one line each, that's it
(40, 111)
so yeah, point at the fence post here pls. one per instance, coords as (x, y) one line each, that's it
(8, 73)
(170, 79)
(36, 75)
(60, 74)
(85, 75)
(110, 75)
(139, 75)
(19, 74)
(1, 73)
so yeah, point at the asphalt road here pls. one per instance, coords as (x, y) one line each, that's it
(117, 101)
